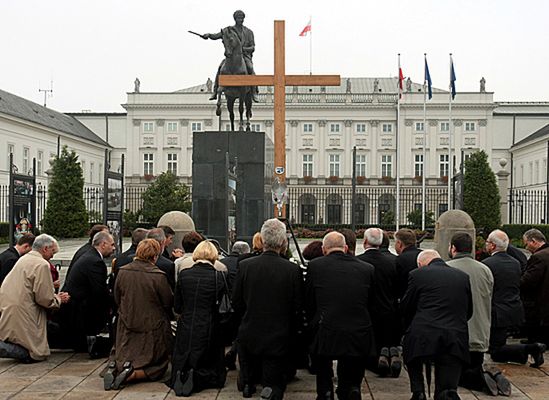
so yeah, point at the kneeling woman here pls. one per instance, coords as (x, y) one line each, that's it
(143, 335)
(198, 357)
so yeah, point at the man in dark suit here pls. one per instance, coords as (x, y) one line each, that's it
(268, 294)
(86, 247)
(9, 257)
(507, 310)
(165, 264)
(126, 257)
(338, 289)
(384, 309)
(88, 310)
(436, 308)
(384, 248)
(405, 246)
(534, 287)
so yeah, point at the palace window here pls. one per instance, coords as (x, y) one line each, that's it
(172, 127)
(361, 165)
(418, 165)
(92, 171)
(196, 126)
(444, 127)
(443, 165)
(148, 127)
(334, 164)
(148, 164)
(335, 128)
(255, 127)
(307, 165)
(470, 127)
(26, 153)
(386, 165)
(172, 163)
(39, 163)
(419, 127)
(387, 128)
(360, 128)
(307, 128)
(11, 150)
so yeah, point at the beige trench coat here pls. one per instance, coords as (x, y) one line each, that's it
(25, 295)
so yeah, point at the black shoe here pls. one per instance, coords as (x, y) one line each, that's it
(266, 393)
(537, 354)
(354, 393)
(418, 396)
(248, 391)
(127, 370)
(396, 362)
(503, 384)
(383, 367)
(490, 383)
(108, 377)
(254, 98)
(213, 96)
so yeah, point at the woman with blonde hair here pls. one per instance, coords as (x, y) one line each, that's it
(143, 334)
(257, 243)
(198, 356)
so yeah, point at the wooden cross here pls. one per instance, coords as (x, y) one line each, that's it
(279, 80)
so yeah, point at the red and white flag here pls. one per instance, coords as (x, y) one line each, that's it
(306, 29)
(400, 80)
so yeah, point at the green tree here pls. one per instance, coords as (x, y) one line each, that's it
(480, 192)
(164, 195)
(66, 215)
(415, 218)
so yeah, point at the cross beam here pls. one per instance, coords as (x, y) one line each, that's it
(279, 80)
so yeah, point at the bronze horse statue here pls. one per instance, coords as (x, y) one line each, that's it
(234, 64)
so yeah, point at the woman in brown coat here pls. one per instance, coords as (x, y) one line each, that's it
(143, 335)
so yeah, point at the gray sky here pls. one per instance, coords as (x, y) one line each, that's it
(95, 49)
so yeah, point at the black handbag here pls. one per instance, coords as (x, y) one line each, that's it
(224, 305)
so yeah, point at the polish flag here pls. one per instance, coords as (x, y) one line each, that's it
(400, 80)
(306, 29)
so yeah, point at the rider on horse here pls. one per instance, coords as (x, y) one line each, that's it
(248, 46)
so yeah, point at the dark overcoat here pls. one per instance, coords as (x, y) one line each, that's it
(507, 310)
(405, 262)
(337, 290)
(534, 288)
(268, 294)
(436, 307)
(8, 258)
(143, 334)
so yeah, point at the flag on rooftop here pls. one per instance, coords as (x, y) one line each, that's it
(452, 78)
(306, 29)
(428, 80)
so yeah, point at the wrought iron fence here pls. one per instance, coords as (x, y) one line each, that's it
(527, 206)
(93, 199)
(373, 205)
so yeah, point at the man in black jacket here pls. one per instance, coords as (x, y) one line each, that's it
(88, 310)
(507, 310)
(405, 246)
(268, 293)
(338, 289)
(9, 257)
(534, 287)
(436, 308)
(384, 312)
(86, 247)
(165, 264)
(126, 257)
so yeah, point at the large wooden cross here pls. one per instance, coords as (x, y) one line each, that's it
(279, 80)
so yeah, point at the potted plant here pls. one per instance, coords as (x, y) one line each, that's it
(148, 177)
(307, 178)
(418, 179)
(333, 179)
(360, 179)
(387, 180)
(444, 179)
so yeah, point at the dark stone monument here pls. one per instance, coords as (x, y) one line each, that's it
(223, 157)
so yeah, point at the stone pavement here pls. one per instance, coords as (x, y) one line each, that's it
(74, 376)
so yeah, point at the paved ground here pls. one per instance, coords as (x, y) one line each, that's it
(75, 376)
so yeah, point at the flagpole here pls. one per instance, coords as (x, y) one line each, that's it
(397, 214)
(311, 46)
(424, 145)
(450, 139)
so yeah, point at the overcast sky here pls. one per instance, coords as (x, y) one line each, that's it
(93, 50)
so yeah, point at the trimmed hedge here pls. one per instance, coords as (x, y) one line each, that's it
(317, 231)
(4, 229)
(515, 231)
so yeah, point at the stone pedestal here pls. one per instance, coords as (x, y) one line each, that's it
(447, 225)
(181, 223)
(503, 185)
(243, 208)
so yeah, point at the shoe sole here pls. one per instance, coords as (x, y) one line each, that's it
(396, 368)
(108, 378)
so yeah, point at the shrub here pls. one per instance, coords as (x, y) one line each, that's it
(164, 195)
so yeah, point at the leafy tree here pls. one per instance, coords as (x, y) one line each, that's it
(388, 218)
(480, 192)
(65, 215)
(415, 218)
(164, 195)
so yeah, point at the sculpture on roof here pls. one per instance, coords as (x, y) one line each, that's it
(376, 85)
(408, 85)
(209, 84)
(136, 85)
(482, 85)
(348, 89)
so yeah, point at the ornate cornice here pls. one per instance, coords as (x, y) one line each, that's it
(136, 122)
(268, 123)
(321, 123)
(184, 122)
(458, 122)
(408, 122)
(433, 122)
(160, 122)
(482, 122)
(208, 122)
(294, 123)
(348, 122)
(374, 122)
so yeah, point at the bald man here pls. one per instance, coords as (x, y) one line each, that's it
(436, 307)
(338, 288)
